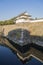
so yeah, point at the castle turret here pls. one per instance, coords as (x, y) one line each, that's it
(24, 17)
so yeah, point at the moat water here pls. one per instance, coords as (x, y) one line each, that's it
(7, 57)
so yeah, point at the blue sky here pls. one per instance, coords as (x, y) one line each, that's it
(11, 8)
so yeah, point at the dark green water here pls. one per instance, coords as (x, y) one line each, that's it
(7, 57)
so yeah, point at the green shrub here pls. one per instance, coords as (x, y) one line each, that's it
(7, 22)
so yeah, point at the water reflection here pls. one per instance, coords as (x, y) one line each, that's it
(9, 58)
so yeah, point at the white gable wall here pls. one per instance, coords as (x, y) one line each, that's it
(39, 20)
(23, 20)
(20, 20)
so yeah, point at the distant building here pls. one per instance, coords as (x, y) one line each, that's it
(25, 17)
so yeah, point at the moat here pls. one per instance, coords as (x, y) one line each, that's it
(7, 57)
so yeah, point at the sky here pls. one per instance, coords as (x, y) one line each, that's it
(12, 8)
